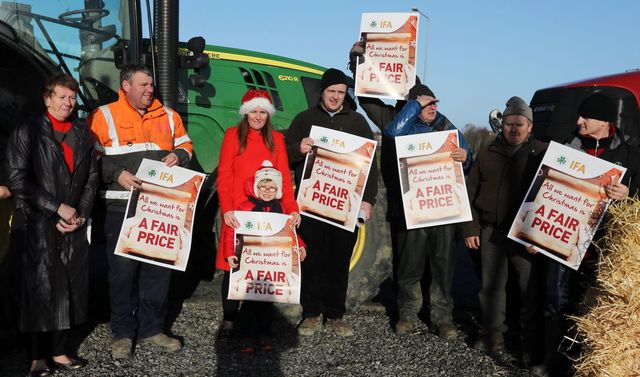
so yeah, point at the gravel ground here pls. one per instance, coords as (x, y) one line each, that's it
(374, 351)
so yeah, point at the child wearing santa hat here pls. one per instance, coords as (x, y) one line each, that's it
(264, 193)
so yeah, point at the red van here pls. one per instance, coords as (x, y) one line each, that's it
(554, 109)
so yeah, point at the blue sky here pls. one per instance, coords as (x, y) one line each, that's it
(480, 52)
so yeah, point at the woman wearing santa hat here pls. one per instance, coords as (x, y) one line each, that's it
(243, 150)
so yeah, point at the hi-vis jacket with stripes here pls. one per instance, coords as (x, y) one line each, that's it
(124, 138)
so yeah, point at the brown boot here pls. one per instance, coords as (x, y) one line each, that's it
(163, 342)
(492, 341)
(339, 327)
(310, 326)
(121, 348)
(404, 326)
(447, 330)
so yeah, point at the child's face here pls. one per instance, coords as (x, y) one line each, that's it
(267, 190)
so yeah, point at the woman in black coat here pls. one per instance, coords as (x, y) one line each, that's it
(53, 177)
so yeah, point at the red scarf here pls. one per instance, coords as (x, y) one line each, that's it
(63, 127)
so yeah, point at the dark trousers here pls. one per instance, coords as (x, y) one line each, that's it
(416, 247)
(229, 307)
(258, 312)
(325, 271)
(565, 292)
(138, 290)
(499, 254)
(46, 344)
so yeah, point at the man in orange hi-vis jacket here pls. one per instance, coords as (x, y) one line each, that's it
(134, 127)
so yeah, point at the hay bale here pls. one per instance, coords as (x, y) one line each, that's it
(610, 330)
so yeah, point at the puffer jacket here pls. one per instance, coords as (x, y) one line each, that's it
(407, 122)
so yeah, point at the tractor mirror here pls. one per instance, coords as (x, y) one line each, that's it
(196, 45)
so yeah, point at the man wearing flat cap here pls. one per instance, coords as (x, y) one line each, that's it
(325, 271)
(416, 247)
(597, 135)
(497, 183)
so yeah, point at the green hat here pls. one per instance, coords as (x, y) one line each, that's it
(517, 106)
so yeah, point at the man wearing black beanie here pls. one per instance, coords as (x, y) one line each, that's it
(331, 77)
(598, 136)
(413, 248)
(325, 271)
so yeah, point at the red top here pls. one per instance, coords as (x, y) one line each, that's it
(228, 241)
(234, 169)
(63, 126)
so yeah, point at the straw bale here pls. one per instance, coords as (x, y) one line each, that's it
(609, 332)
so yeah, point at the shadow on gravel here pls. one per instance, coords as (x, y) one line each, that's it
(232, 362)
(199, 267)
(466, 285)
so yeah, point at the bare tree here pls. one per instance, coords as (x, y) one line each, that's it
(477, 136)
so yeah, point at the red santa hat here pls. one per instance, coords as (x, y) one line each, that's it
(255, 98)
(267, 171)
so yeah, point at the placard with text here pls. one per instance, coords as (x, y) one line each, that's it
(433, 186)
(334, 176)
(158, 222)
(565, 204)
(269, 263)
(389, 67)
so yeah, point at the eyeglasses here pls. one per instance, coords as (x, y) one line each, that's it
(267, 189)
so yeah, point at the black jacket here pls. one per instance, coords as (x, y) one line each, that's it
(618, 151)
(55, 266)
(498, 182)
(347, 121)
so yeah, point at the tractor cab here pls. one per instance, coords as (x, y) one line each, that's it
(86, 39)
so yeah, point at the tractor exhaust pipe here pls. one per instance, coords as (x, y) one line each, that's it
(166, 36)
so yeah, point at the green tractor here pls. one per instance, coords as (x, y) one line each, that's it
(91, 39)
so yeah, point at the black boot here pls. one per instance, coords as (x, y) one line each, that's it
(558, 365)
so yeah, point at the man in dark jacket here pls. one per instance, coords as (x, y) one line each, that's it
(326, 269)
(597, 135)
(497, 184)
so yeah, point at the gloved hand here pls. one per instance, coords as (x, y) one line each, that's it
(356, 56)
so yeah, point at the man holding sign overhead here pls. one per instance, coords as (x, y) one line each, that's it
(325, 274)
(417, 246)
